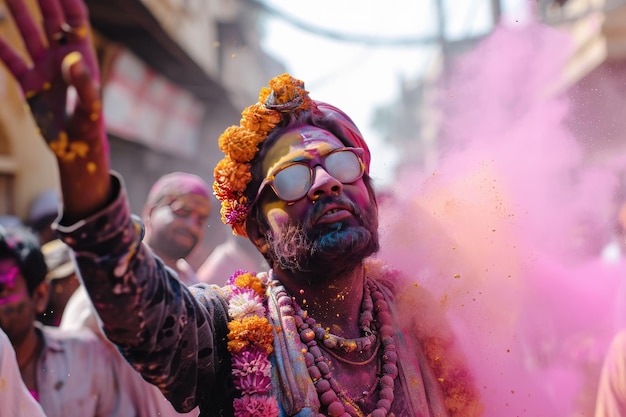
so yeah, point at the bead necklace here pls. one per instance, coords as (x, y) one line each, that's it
(331, 396)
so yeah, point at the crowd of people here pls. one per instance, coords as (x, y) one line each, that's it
(104, 315)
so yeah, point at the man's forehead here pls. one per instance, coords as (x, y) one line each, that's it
(309, 139)
(193, 201)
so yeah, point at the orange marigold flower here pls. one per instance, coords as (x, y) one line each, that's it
(258, 118)
(239, 143)
(250, 281)
(251, 331)
(286, 88)
(232, 176)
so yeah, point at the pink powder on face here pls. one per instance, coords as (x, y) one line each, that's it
(506, 230)
(8, 280)
(9, 277)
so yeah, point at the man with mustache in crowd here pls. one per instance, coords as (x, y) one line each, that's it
(327, 331)
(175, 216)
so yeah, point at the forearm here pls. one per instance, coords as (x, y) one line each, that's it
(85, 181)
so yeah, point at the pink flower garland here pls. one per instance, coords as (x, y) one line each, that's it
(250, 344)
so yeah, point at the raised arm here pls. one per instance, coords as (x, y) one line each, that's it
(167, 334)
(61, 56)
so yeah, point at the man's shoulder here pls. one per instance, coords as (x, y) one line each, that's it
(72, 340)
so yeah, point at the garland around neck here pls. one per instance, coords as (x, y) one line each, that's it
(250, 342)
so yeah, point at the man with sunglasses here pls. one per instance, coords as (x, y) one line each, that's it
(327, 331)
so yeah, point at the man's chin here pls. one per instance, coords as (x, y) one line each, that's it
(327, 250)
(337, 251)
(354, 242)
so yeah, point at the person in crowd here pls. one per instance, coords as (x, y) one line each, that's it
(43, 211)
(62, 278)
(175, 215)
(16, 400)
(146, 398)
(327, 331)
(69, 374)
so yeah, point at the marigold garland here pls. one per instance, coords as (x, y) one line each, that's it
(285, 96)
(250, 342)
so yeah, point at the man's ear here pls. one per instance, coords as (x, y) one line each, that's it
(41, 295)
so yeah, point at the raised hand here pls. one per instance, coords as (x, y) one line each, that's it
(61, 56)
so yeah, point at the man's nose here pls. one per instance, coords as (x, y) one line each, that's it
(323, 184)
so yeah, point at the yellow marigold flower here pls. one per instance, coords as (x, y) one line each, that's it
(250, 281)
(239, 144)
(251, 331)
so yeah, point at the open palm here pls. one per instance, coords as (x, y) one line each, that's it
(60, 57)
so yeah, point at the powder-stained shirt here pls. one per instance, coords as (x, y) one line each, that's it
(147, 400)
(75, 377)
(176, 336)
(15, 400)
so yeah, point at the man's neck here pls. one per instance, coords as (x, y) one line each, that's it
(335, 303)
(28, 349)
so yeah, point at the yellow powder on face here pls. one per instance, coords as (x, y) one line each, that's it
(91, 167)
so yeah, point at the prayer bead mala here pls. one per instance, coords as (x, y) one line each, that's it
(328, 389)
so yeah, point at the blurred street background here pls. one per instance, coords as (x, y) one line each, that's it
(177, 72)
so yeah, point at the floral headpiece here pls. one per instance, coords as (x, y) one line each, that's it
(285, 97)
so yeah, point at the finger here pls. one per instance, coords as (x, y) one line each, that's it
(185, 271)
(75, 13)
(14, 63)
(76, 74)
(28, 29)
(53, 19)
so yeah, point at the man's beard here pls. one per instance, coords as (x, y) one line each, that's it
(329, 249)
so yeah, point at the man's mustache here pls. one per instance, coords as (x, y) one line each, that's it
(320, 205)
